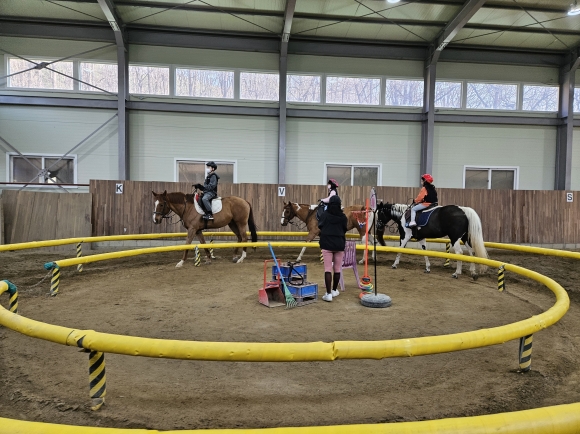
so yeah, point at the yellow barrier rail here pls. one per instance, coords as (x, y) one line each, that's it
(290, 352)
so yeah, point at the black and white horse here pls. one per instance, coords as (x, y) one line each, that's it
(456, 222)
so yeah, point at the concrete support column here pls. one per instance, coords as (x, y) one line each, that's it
(428, 124)
(565, 133)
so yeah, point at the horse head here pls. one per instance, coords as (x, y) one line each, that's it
(288, 214)
(161, 207)
(383, 214)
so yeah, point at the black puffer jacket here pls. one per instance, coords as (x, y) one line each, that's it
(332, 225)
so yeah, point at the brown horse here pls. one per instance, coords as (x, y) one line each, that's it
(307, 214)
(236, 213)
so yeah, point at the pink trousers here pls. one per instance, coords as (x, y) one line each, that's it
(331, 258)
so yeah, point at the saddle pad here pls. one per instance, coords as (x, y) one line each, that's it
(423, 218)
(216, 206)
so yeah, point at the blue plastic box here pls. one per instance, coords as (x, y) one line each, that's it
(298, 270)
(307, 290)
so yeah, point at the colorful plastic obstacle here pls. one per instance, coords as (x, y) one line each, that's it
(271, 294)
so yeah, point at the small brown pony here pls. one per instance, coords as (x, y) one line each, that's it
(307, 214)
(236, 213)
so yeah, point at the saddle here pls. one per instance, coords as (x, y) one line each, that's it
(422, 217)
(216, 204)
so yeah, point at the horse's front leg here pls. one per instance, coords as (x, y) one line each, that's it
(404, 241)
(310, 237)
(423, 245)
(190, 235)
(458, 251)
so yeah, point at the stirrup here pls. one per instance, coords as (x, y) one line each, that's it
(411, 224)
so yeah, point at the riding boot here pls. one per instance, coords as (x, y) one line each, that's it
(335, 282)
(328, 281)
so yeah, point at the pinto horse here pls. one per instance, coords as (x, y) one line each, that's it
(457, 222)
(236, 213)
(307, 214)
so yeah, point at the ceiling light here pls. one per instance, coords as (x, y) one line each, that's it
(574, 8)
(397, 1)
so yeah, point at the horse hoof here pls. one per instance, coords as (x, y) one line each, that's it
(475, 276)
(235, 260)
(454, 276)
(427, 271)
(239, 261)
(179, 264)
(394, 267)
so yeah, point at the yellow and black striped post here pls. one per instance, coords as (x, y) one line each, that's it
(447, 260)
(211, 250)
(97, 378)
(526, 353)
(501, 278)
(13, 294)
(79, 254)
(54, 281)
(321, 257)
(197, 257)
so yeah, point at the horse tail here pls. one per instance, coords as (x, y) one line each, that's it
(252, 225)
(475, 235)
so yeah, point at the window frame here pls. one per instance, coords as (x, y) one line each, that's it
(519, 96)
(404, 107)
(173, 82)
(379, 166)
(515, 169)
(177, 160)
(462, 99)
(238, 86)
(521, 92)
(10, 166)
(324, 87)
(321, 88)
(75, 73)
(95, 91)
(170, 83)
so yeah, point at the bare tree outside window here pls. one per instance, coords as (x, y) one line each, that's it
(303, 88)
(204, 83)
(103, 75)
(347, 175)
(353, 90)
(259, 86)
(60, 170)
(448, 94)
(492, 96)
(40, 78)
(540, 98)
(404, 93)
(148, 80)
(194, 172)
(576, 100)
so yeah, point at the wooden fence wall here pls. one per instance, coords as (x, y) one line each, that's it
(524, 216)
(37, 216)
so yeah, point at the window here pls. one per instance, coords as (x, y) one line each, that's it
(41, 78)
(204, 83)
(540, 98)
(404, 93)
(353, 90)
(448, 94)
(353, 175)
(148, 80)
(103, 75)
(303, 88)
(492, 96)
(39, 169)
(576, 100)
(193, 172)
(494, 178)
(259, 86)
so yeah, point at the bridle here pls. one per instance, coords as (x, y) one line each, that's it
(392, 227)
(168, 214)
(292, 215)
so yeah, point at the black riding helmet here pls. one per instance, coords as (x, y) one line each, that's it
(211, 164)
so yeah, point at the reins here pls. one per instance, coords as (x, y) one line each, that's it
(169, 214)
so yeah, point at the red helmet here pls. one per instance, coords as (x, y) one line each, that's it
(333, 182)
(428, 178)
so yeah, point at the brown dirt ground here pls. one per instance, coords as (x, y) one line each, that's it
(147, 296)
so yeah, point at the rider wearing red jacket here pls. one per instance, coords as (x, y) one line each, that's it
(426, 197)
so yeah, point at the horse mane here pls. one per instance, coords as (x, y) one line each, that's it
(398, 209)
(176, 197)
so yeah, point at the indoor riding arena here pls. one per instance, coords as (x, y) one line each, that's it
(163, 233)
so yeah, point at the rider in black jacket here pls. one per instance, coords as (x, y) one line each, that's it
(333, 227)
(209, 188)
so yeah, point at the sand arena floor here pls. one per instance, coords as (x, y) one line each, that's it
(147, 296)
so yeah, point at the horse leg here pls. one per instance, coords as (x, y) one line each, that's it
(190, 235)
(470, 250)
(310, 237)
(458, 251)
(234, 227)
(423, 245)
(201, 239)
(404, 241)
(299, 258)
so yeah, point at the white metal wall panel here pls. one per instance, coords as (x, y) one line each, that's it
(532, 149)
(57, 48)
(53, 130)
(310, 143)
(346, 65)
(157, 139)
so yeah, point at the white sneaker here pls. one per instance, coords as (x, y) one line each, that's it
(327, 297)
(335, 293)
(412, 224)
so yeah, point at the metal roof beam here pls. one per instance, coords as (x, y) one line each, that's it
(114, 21)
